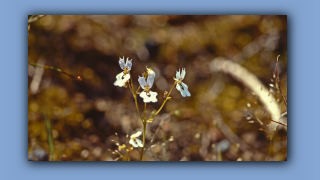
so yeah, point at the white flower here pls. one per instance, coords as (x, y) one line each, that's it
(124, 76)
(134, 141)
(182, 87)
(151, 72)
(146, 94)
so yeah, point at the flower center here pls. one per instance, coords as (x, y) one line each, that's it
(134, 138)
(146, 88)
(126, 71)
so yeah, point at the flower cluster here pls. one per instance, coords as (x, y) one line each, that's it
(146, 82)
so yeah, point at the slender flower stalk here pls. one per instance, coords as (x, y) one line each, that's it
(146, 83)
(129, 153)
(135, 98)
(79, 78)
(164, 102)
(143, 139)
(144, 130)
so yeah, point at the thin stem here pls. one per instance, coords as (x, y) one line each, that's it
(132, 91)
(164, 101)
(145, 109)
(135, 97)
(144, 137)
(278, 82)
(159, 127)
(129, 153)
(264, 114)
(144, 130)
(138, 89)
(79, 78)
(132, 83)
(135, 100)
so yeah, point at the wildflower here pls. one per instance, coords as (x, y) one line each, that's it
(146, 94)
(151, 72)
(182, 87)
(124, 76)
(134, 141)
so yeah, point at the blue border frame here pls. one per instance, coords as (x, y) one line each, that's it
(303, 31)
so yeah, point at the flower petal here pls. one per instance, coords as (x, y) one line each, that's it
(142, 82)
(178, 74)
(152, 97)
(121, 63)
(150, 81)
(183, 73)
(185, 87)
(184, 92)
(119, 82)
(143, 95)
(128, 64)
(139, 142)
(121, 79)
(133, 143)
(136, 134)
(119, 76)
(151, 73)
(126, 77)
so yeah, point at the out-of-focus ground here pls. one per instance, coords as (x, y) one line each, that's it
(85, 115)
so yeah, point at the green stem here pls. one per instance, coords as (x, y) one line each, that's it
(138, 89)
(163, 102)
(79, 78)
(135, 100)
(145, 109)
(144, 130)
(144, 137)
(135, 97)
(129, 153)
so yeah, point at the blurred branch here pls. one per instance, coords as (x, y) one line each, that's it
(37, 76)
(265, 41)
(40, 65)
(278, 82)
(253, 83)
(226, 130)
(159, 128)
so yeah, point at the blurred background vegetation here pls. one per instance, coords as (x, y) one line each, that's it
(85, 115)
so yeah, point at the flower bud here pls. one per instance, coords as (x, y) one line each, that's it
(165, 94)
